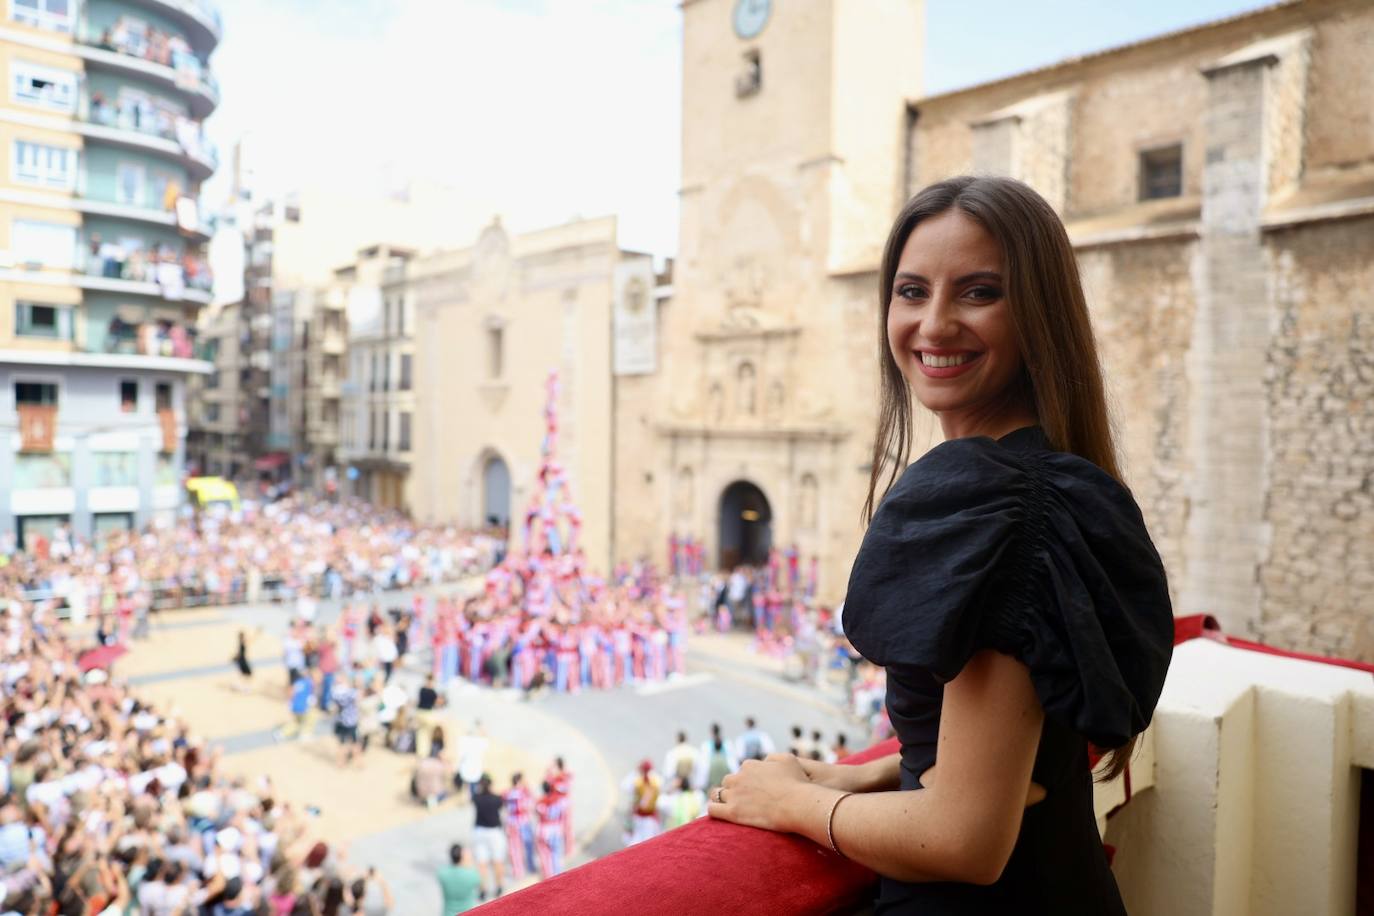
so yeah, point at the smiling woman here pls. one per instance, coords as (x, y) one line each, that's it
(1006, 582)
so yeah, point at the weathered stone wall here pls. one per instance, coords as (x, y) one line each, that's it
(1142, 299)
(1340, 119)
(1318, 580)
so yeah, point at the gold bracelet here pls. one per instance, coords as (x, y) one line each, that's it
(830, 823)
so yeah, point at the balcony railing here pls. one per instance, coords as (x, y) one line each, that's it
(332, 342)
(154, 47)
(203, 13)
(1252, 807)
(152, 338)
(150, 119)
(173, 208)
(172, 273)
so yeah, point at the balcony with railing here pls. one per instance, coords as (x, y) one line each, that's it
(333, 342)
(134, 47)
(148, 126)
(173, 208)
(154, 337)
(160, 271)
(200, 18)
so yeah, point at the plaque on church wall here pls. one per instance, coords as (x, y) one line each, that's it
(636, 330)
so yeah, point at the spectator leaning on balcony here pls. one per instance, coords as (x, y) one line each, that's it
(1006, 581)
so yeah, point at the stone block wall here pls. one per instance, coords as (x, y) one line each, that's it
(1142, 298)
(1317, 582)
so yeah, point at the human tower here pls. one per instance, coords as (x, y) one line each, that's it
(545, 618)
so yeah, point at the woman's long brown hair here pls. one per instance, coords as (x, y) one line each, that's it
(1062, 378)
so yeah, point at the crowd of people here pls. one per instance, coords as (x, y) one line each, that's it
(515, 833)
(135, 37)
(661, 798)
(343, 674)
(264, 551)
(108, 806)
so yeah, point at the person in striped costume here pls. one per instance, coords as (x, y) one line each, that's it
(548, 812)
(561, 780)
(520, 827)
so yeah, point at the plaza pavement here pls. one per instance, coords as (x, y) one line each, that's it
(185, 666)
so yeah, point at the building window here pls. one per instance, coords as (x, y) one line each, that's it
(386, 371)
(401, 316)
(405, 371)
(162, 396)
(372, 431)
(44, 87)
(750, 79)
(1161, 172)
(211, 413)
(405, 431)
(43, 244)
(212, 380)
(386, 317)
(128, 395)
(372, 379)
(37, 393)
(131, 184)
(45, 166)
(495, 354)
(43, 14)
(385, 418)
(34, 319)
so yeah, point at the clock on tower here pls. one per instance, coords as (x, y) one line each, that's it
(751, 16)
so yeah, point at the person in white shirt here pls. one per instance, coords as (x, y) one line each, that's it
(472, 752)
(384, 650)
(681, 760)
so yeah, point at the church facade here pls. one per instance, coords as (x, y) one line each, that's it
(1218, 185)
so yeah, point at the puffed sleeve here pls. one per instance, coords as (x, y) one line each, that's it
(1037, 554)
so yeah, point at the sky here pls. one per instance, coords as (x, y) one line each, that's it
(544, 110)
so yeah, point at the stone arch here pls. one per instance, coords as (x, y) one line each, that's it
(745, 525)
(494, 489)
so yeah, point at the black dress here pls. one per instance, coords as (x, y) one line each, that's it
(1041, 555)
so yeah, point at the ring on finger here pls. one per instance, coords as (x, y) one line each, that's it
(720, 795)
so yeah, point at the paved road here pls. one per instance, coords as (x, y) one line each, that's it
(603, 735)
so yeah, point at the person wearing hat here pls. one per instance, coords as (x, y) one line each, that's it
(644, 792)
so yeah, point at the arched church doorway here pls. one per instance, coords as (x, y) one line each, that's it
(496, 492)
(746, 525)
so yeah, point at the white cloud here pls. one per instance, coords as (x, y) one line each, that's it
(536, 111)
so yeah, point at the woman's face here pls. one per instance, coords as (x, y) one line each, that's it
(949, 327)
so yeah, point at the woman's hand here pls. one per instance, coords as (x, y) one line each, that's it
(834, 775)
(764, 793)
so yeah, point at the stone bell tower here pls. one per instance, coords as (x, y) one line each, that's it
(793, 165)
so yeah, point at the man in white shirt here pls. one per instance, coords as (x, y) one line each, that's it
(681, 760)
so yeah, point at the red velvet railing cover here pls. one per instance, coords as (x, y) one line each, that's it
(716, 868)
(707, 866)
